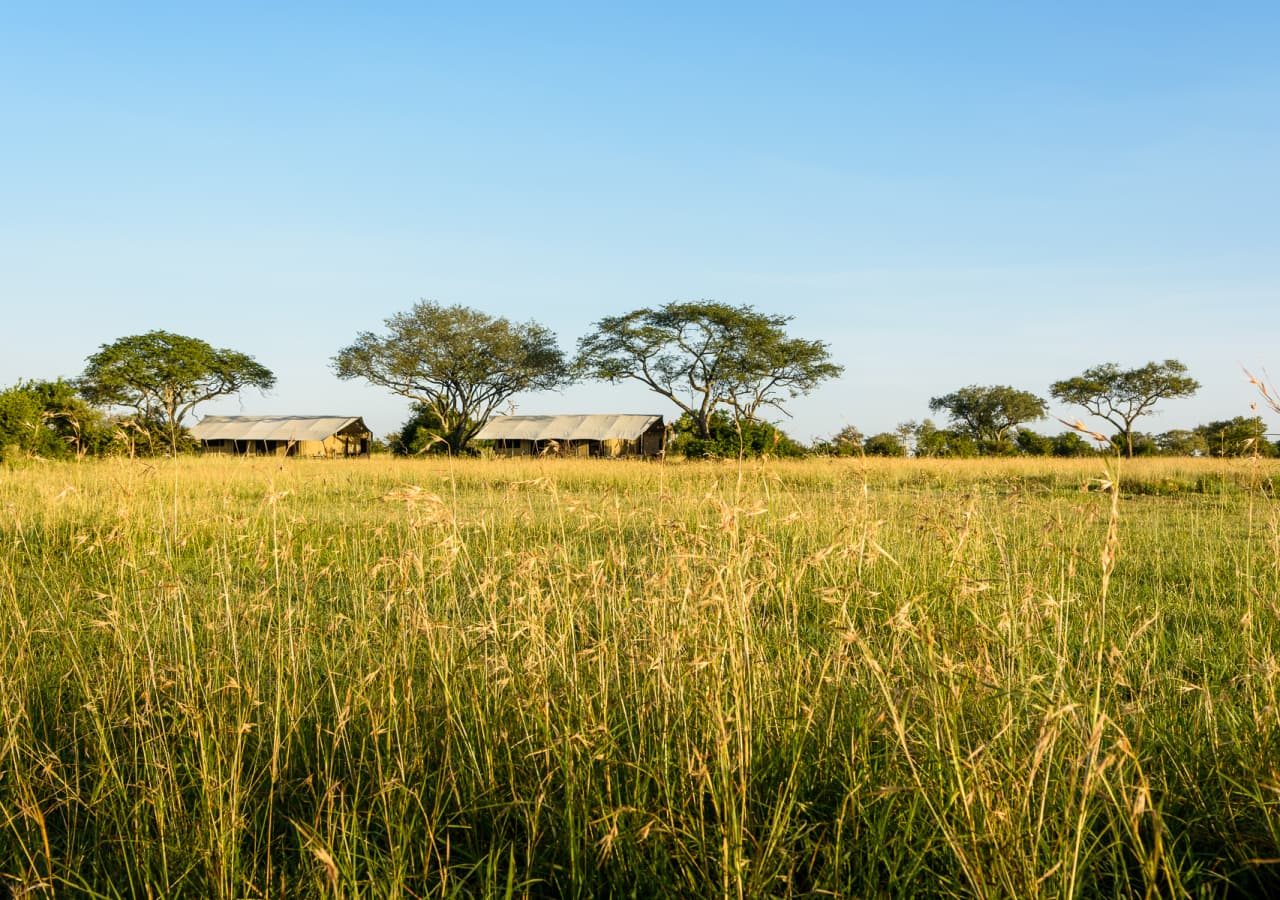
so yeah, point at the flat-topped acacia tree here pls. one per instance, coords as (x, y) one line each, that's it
(1121, 396)
(988, 413)
(163, 376)
(458, 362)
(707, 355)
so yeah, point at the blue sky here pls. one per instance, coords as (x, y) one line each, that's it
(946, 193)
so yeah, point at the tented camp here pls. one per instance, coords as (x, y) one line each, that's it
(318, 436)
(600, 435)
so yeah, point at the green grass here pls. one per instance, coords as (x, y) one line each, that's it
(226, 678)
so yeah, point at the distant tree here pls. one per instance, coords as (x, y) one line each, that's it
(163, 376)
(460, 363)
(848, 441)
(1069, 444)
(1240, 436)
(1033, 443)
(906, 432)
(845, 442)
(1121, 396)
(931, 441)
(707, 356)
(986, 414)
(1182, 442)
(884, 444)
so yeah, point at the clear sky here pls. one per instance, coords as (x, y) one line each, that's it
(947, 193)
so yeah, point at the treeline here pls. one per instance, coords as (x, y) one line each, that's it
(727, 369)
(1241, 436)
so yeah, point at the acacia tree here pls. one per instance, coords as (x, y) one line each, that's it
(163, 376)
(1121, 396)
(707, 355)
(988, 413)
(457, 362)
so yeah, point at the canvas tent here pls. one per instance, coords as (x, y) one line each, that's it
(595, 435)
(318, 436)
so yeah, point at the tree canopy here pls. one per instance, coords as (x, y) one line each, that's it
(163, 376)
(987, 414)
(706, 356)
(1121, 396)
(457, 362)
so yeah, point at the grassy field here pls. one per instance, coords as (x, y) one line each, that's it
(243, 678)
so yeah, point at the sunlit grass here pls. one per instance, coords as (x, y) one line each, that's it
(430, 678)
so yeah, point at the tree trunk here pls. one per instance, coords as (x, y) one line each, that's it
(456, 437)
(704, 425)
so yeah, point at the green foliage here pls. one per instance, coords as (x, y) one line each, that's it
(1064, 445)
(1032, 443)
(845, 442)
(23, 427)
(1070, 444)
(884, 444)
(932, 441)
(707, 356)
(1121, 396)
(1137, 443)
(422, 432)
(48, 419)
(1240, 436)
(1181, 442)
(987, 413)
(163, 376)
(460, 363)
(756, 439)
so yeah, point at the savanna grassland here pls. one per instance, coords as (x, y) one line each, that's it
(255, 678)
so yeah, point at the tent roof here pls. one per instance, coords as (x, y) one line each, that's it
(272, 428)
(567, 428)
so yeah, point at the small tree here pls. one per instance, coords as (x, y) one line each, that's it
(1032, 443)
(884, 444)
(459, 363)
(1071, 444)
(163, 376)
(932, 441)
(986, 414)
(706, 356)
(848, 441)
(1121, 396)
(422, 432)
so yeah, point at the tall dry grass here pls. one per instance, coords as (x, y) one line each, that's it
(236, 678)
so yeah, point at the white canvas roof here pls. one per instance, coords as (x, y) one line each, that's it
(567, 428)
(272, 428)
